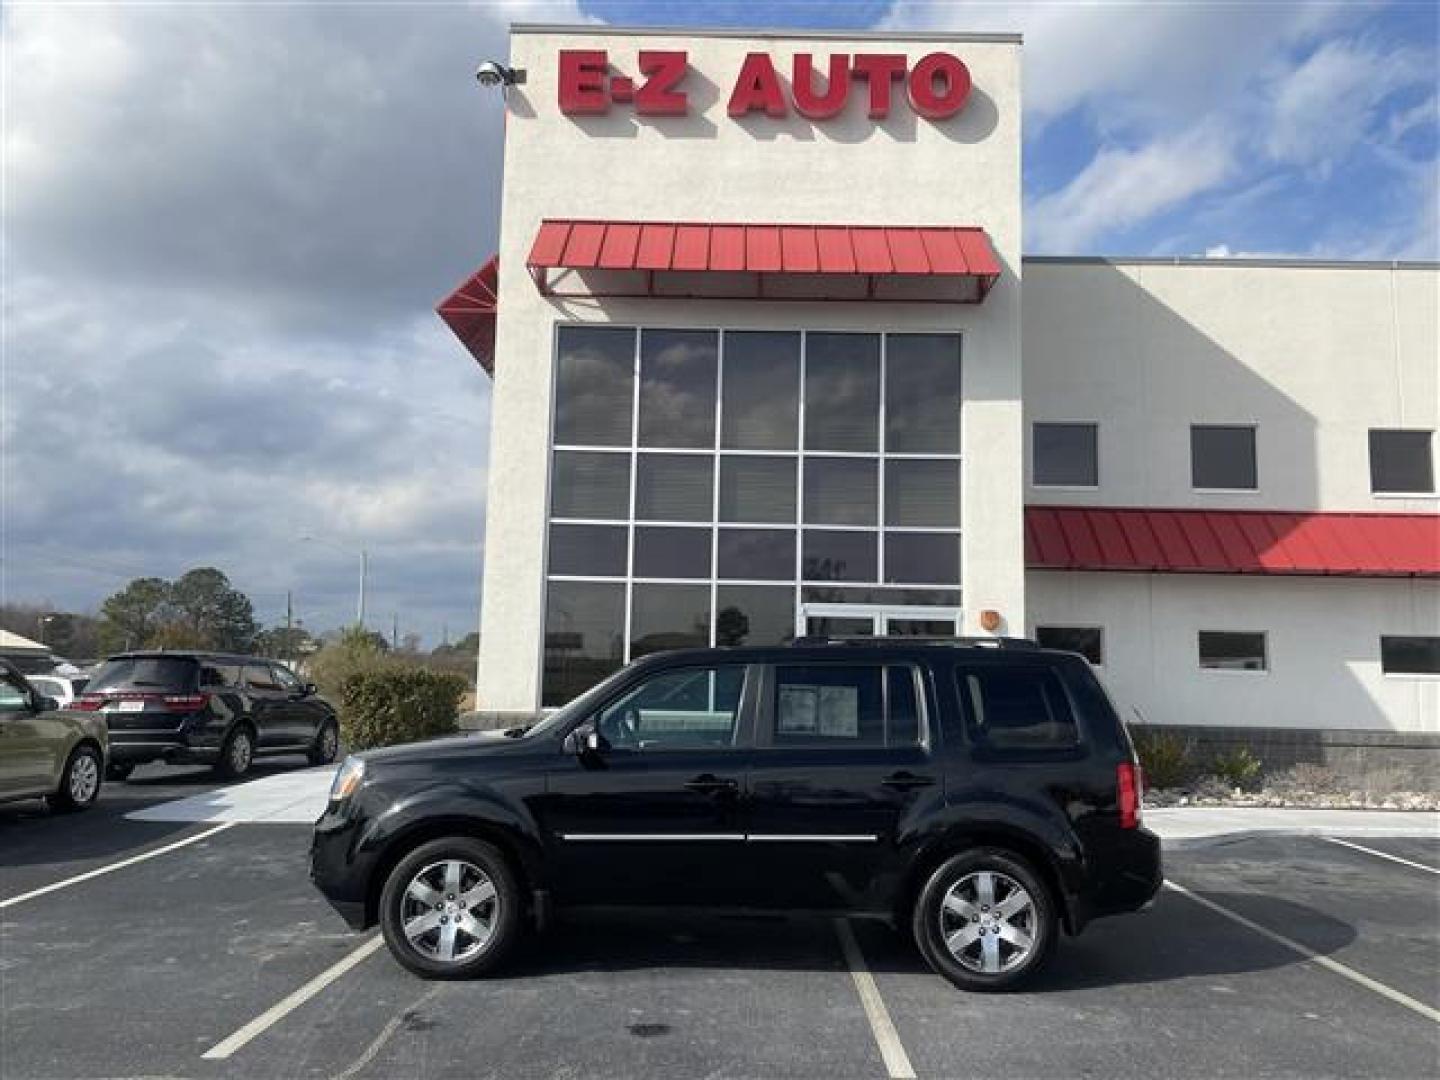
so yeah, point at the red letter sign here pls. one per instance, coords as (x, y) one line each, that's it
(582, 81)
(954, 77)
(881, 69)
(657, 96)
(837, 87)
(757, 87)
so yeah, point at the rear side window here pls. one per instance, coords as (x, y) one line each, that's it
(1017, 708)
(145, 673)
(220, 676)
(260, 677)
(846, 706)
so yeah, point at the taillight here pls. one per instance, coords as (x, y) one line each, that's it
(88, 702)
(185, 702)
(1129, 785)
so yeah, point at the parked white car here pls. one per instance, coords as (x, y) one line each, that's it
(63, 688)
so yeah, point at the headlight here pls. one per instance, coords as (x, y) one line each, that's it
(347, 779)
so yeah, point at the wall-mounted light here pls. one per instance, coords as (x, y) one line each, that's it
(494, 73)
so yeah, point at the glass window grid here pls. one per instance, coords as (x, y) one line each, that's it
(719, 452)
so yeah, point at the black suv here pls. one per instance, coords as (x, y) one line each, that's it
(206, 707)
(984, 797)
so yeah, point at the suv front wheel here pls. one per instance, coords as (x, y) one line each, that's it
(985, 920)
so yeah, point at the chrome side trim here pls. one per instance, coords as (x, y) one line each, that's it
(798, 838)
(815, 838)
(611, 837)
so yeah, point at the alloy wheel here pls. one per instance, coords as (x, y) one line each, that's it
(448, 911)
(84, 779)
(241, 751)
(988, 922)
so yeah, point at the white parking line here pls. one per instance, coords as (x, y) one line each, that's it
(897, 1063)
(1310, 954)
(288, 1004)
(1381, 854)
(112, 867)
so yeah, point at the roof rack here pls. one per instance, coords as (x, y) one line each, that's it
(980, 642)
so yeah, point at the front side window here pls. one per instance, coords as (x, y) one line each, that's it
(1064, 455)
(1223, 458)
(845, 706)
(1016, 708)
(285, 678)
(13, 697)
(1410, 655)
(1088, 641)
(674, 710)
(1229, 650)
(1401, 462)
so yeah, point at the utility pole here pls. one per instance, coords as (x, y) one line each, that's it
(289, 622)
(394, 633)
(364, 574)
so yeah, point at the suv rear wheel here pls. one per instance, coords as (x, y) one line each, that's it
(451, 908)
(326, 745)
(985, 920)
(238, 753)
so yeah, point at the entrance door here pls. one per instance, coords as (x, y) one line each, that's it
(875, 620)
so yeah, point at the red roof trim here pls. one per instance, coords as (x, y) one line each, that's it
(1232, 541)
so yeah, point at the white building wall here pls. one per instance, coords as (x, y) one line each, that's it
(1322, 636)
(708, 167)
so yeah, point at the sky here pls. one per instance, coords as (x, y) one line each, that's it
(227, 227)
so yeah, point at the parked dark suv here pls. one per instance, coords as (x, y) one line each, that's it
(983, 797)
(205, 707)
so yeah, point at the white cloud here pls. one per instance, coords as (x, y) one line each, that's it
(1120, 188)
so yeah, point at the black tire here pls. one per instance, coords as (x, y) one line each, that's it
(326, 745)
(235, 763)
(80, 781)
(119, 773)
(397, 903)
(1005, 952)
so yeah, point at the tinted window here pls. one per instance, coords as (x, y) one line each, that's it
(902, 708)
(1400, 461)
(829, 705)
(13, 697)
(757, 554)
(219, 676)
(677, 387)
(672, 553)
(1064, 455)
(760, 399)
(842, 391)
(922, 558)
(669, 617)
(674, 487)
(594, 377)
(285, 677)
(692, 707)
(924, 493)
(588, 550)
(260, 677)
(1018, 708)
(757, 490)
(922, 394)
(754, 615)
(1410, 655)
(584, 485)
(838, 556)
(840, 491)
(1085, 640)
(584, 637)
(1231, 651)
(146, 672)
(1222, 457)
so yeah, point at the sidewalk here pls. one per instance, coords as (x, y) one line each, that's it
(1197, 826)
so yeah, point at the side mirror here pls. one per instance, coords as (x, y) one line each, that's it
(311, 689)
(585, 740)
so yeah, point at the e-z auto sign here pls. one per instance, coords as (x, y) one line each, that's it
(936, 86)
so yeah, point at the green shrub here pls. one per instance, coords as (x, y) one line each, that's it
(1238, 766)
(1167, 757)
(397, 704)
(353, 653)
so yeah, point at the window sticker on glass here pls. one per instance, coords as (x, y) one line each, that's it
(797, 712)
(829, 711)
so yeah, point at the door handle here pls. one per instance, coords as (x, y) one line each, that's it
(708, 783)
(903, 781)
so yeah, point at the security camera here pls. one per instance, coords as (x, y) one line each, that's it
(492, 73)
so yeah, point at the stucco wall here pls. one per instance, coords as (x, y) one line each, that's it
(708, 167)
(1323, 638)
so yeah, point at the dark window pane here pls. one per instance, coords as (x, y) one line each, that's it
(1018, 708)
(1401, 461)
(1222, 651)
(922, 394)
(842, 391)
(1222, 457)
(145, 673)
(1410, 655)
(674, 487)
(923, 493)
(677, 709)
(838, 556)
(586, 485)
(672, 553)
(754, 615)
(871, 594)
(757, 489)
(822, 705)
(584, 631)
(260, 677)
(902, 711)
(834, 626)
(588, 550)
(919, 627)
(594, 378)
(840, 491)
(1085, 640)
(1064, 455)
(761, 394)
(757, 554)
(669, 617)
(677, 387)
(922, 558)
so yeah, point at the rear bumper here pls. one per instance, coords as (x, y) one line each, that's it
(139, 747)
(1126, 877)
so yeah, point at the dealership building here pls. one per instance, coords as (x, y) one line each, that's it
(768, 361)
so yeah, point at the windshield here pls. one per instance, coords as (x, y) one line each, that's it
(145, 673)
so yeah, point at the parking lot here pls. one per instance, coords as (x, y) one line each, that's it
(1284, 956)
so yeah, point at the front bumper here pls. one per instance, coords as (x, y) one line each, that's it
(341, 876)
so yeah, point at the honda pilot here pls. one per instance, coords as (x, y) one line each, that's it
(984, 798)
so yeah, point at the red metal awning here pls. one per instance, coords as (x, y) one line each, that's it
(688, 260)
(471, 311)
(1232, 541)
